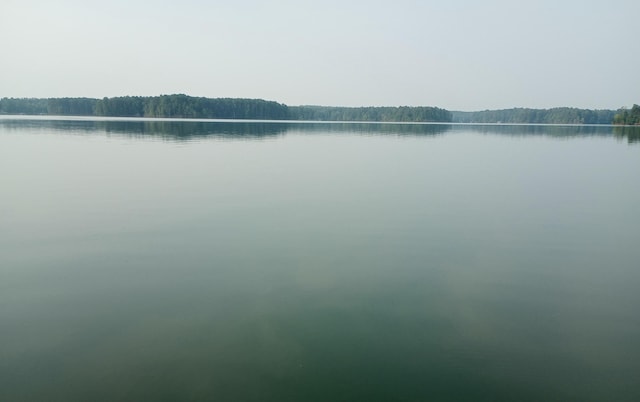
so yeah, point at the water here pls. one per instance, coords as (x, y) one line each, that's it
(163, 261)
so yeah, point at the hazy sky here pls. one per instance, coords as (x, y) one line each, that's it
(455, 54)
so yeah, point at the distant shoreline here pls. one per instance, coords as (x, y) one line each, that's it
(198, 108)
(51, 117)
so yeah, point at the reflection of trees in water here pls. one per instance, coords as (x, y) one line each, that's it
(540, 130)
(177, 130)
(181, 130)
(43, 124)
(632, 134)
(371, 128)
(186, 130)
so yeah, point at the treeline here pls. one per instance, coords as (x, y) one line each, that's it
(628, 117)
(561, 115)
(52, 106)
(183, 106)
(179, 106)
(382, 114)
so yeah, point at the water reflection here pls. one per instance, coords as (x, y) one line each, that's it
(342, 261)
(397, 129)
(542, 130)
(187, 130)
(162, 129)
(632, 134)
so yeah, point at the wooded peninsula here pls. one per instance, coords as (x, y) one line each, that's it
(184, 106)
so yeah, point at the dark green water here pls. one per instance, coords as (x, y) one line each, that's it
(200, 261)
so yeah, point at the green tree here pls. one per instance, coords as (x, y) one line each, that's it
(628, 117)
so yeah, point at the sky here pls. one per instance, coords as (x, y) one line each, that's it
(454, 54)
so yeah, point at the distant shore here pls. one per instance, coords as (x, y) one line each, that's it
(188, 107)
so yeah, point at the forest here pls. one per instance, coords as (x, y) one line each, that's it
(382, 114)
(51, 106)
(628, 117)
(178, 106)
(561, 115)
(184, 106)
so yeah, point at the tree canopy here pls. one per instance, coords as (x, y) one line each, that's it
(561, 115)
(382, 114)
(184, 106)
(628, 117)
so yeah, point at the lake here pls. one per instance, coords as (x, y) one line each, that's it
(158, 260)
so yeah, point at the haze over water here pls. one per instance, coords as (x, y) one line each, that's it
(161, 260)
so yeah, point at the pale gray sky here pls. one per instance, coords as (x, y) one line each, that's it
(455, 54)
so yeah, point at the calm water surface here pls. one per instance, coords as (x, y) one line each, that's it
(198, 261)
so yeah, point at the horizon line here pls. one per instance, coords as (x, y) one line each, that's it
(320, 105)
